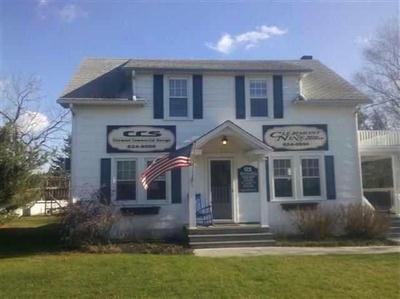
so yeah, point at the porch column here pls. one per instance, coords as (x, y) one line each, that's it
(191, 197)
(263, 192)
(396, 183)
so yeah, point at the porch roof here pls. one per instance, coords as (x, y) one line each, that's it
(378, 141)
(233, 132)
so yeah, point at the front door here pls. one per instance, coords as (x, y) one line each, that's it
(221, 187)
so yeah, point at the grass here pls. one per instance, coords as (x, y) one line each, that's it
(33, 265)
(163, 276)
(30, 235)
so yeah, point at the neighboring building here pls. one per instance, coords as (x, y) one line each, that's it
(290, 130)
(380, 161)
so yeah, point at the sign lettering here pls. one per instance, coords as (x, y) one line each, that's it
(140, 139)
(296, 137)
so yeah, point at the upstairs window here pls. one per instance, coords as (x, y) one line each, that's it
(258, 98)
(178, 97)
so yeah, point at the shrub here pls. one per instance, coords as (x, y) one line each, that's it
(315, 224)
(361, 221)
(88, 222)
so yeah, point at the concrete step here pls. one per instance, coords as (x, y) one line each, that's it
(215, 230)
(219, 236)
(230, 237)
(394, 229)
(225, 244)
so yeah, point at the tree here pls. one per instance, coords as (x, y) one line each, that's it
(25, 134)
(380, 77)
(60, 164)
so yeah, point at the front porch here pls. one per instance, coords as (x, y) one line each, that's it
(229, 176)
(380, 164)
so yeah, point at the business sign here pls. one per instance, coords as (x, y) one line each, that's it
(140, 139)
(296, 137)
(248, 179)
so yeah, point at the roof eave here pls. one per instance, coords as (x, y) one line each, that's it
(328, 102)
(66, 102)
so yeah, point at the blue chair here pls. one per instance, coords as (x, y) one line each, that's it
(203, 211)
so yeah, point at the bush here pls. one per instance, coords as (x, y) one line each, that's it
(315, 224)
(88, 222)
(361, 221)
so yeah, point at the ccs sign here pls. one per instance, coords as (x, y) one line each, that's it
(140, 139)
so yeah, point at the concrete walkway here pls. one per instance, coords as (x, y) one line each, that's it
(252, 251)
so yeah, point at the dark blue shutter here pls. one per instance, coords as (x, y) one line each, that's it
(240, 97)
(158, 96)
(105, 179)
(176, 194)
(330, 177)
(197, 96)
(267, 179)
(278, 96)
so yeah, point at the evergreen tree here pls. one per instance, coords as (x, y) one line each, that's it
(60, 164)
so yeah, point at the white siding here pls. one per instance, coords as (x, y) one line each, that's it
(89, 143)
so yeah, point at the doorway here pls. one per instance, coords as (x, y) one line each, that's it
(221, 189)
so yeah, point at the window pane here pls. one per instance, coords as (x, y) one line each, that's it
(157, 188)
(126, 190)
(178, 88)
(311, 179)
(258, 107)
(258, 88)
(311, 187)
(283, 187)
(178, 107)
(283, 178)
(126, 180)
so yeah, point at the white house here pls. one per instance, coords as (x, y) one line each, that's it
(268, 136)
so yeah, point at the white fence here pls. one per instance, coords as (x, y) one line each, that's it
(379, 138)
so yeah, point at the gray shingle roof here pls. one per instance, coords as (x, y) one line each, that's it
(109, 78)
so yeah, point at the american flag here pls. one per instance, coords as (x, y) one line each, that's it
(176, 159)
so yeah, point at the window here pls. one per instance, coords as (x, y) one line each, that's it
(126, 180)
(157, 189)
(178, 98)
(283, 178)
(258, 98)
(311, 177)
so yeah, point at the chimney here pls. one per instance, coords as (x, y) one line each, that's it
(306, 57)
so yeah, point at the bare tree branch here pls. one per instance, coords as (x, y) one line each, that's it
(380, 76)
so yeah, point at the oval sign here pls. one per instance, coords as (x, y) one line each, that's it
(296, 137)
(140, 139)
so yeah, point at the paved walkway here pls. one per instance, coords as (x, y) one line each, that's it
(251, 251)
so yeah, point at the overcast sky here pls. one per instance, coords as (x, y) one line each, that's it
(49, 38)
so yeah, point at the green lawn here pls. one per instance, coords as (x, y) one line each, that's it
(131, 275)
(34, 265)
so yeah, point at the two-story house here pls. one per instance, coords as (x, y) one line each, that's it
(267, 135)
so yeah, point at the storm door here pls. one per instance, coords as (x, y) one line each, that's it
(221, 189)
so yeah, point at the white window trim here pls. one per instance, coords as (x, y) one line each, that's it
(272, 175)
(189, 97)
(141, 193)
(269, 97)
(297, 178)
(114, 181)
(321, 164)
(166, 200)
